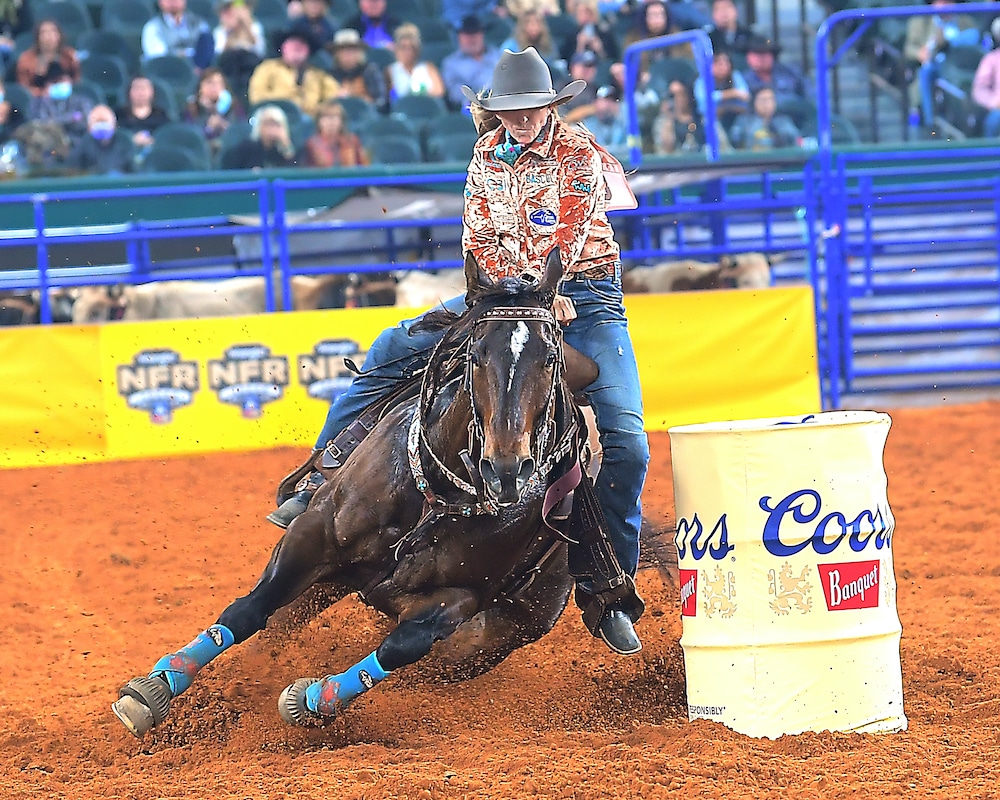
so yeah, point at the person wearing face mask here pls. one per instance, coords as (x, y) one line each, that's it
(535, 183)
(60, 104)
(105, 150)
(212, 107)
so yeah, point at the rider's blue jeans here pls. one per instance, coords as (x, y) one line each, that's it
(599, 331)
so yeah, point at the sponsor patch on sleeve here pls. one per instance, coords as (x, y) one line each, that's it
(543, 218)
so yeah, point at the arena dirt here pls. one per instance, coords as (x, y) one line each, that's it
(108, 567)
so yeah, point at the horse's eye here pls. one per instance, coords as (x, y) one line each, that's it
(550, 359)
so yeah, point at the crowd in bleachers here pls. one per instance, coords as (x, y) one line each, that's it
(116, 86)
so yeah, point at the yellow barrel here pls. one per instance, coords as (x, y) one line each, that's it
(788, 595)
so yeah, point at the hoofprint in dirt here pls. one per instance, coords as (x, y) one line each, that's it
(108, 565)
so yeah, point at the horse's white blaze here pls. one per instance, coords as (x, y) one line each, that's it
(518, 339)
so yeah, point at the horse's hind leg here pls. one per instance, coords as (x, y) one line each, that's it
(437, 617)
(299, 560)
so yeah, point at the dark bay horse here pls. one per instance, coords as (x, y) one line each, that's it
(443, 518)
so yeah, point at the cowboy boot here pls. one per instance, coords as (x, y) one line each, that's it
(618, 633)
(283, 515)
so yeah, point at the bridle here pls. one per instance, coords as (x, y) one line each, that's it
(546, 451)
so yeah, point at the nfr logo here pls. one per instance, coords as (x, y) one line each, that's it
(323, 371)
(692, 535)
(157, 381)
(248, 377)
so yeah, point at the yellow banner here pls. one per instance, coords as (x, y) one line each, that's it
(51, 404)
(132, 390)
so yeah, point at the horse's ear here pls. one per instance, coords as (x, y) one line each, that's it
(475, 279)
(553, 272)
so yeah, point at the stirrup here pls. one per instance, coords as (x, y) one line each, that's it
(283, 515)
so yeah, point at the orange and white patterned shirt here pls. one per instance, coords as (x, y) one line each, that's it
(554, 195)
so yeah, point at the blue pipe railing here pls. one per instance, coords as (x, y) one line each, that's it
(134, 234)
(702, 48)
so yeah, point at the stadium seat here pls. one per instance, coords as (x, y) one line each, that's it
(107, 71)
(90, 89)
(187, 137)
(206, 9)
(663, 71)
(393, 149)
(232, 136)
(176, 72)
(391, 125)
(800, 111)
(454, 146)
(498, 30)
(20, 102)
(407, 10)
(170, 158)
(448, 123)
(561, 26)
(73, 18)
(358, 112)
(292, 112)
(420, 108)
(163, 96)
(434, 29)
(381, 57)
(436, 52)
(109, 43)
(125, 17)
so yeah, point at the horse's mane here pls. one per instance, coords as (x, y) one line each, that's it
(506, 291)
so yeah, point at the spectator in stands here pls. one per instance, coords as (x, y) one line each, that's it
(62, 105)
(178, 32)
(582, 67)
(240, 44)
(333, 145)
(213, 107)
(928, 36)
(511, 8)
(593, 33)
(355, 74)
(764, 128)
(6, 117)
(679, 128)
(291, 77)
(105, 150)
(409, 73)
(48, 54)
(531, 30)
(986, 85)
(765, 71)
(315, 20)
(140, 116)
(373, 23)
(471, 64)
(269, 145)
(652, 20)
(731, 95)
(44, 146)
(608, 122)
(15, 19)
(455, 12)
(726, 31)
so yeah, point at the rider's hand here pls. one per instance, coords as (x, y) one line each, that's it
(564, 309)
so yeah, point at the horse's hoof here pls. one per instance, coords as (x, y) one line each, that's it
(292, 703)
(142, 704)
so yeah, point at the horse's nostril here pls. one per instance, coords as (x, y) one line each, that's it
(525, 472)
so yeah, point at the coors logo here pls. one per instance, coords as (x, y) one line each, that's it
(689, 592)
(851, 585)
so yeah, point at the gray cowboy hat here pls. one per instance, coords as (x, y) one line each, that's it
(522, 81)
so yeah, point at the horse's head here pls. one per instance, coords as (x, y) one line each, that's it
(514, 364)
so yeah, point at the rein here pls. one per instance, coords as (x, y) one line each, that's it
(417, 441)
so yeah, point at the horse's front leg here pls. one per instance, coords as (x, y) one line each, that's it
(435, 618)
(300, 559)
